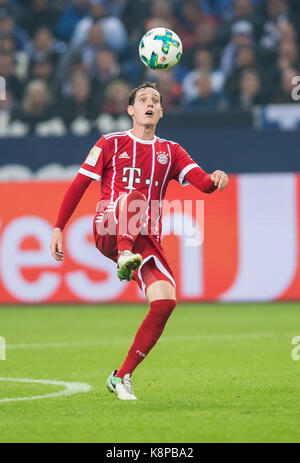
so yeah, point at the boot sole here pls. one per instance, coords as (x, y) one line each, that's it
(126, 272)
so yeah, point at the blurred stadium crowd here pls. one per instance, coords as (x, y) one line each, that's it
(70, 64)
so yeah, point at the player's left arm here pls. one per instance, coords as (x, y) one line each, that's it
(186, 171)
(220, 179)
(205, 182)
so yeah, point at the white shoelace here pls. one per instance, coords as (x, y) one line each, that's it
(127, 384)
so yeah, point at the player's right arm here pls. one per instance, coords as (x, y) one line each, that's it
(57, 244)
(69, 203)
(90, 170)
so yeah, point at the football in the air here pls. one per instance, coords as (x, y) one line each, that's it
(160, 49)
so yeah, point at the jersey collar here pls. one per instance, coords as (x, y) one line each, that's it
(140, 140)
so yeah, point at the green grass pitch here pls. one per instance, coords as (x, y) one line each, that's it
(220, 373)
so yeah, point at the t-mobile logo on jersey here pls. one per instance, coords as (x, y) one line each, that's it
(131, 178)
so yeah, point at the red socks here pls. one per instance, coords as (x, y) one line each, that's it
(147, 335)
(129, 220)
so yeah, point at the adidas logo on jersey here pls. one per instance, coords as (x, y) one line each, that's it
(124, 156)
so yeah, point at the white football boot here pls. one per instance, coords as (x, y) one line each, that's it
(120, 386)
(127, 264)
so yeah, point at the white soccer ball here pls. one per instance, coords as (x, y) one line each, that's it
(160, 49)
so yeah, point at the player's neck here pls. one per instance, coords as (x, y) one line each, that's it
(143, 132)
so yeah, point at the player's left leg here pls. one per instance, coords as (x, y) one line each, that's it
(162, 299)
(160, 290)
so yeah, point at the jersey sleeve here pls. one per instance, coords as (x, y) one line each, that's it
(182, 164)
(94, 162)
(71, 199)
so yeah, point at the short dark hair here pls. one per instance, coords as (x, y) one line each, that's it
(132, 95)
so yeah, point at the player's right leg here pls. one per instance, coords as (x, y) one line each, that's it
(129, 211)
(115, 231)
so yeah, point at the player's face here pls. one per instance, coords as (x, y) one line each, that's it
(146, 109)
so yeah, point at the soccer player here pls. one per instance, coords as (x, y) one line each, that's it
(134, 168)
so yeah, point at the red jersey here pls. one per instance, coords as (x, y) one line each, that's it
(124, 163)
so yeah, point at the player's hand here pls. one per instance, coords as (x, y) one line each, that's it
(56, 245)
(220, 179)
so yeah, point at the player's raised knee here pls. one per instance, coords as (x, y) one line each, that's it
(136, 196)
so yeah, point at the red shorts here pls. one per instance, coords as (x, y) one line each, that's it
(154, 267)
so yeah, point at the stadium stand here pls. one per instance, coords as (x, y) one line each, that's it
(65, 61)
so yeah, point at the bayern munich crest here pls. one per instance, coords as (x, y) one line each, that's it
(162, 157)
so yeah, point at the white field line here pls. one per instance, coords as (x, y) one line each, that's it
(208, 337)
(69, 388)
